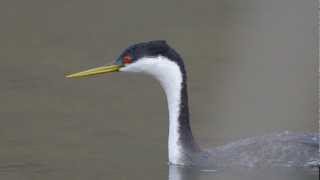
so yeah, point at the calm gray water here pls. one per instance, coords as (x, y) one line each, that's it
(251, 64)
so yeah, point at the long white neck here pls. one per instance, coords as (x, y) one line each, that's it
(171, 79)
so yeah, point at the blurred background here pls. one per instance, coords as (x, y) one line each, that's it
(252, 69)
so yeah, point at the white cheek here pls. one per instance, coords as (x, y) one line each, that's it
(164, 70)
(160, 67)
(140, 66)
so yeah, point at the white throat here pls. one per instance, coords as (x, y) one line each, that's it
(170, 77)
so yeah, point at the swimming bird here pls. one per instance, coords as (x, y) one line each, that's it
(158, 59)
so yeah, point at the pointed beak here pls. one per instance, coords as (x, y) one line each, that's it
(95, 71)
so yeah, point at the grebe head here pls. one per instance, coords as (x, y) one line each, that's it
(155, 58)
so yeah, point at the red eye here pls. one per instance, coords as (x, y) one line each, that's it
(127, 59)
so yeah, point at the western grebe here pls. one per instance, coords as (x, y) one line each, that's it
(158, 59)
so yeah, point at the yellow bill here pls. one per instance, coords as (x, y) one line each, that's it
(95, 71)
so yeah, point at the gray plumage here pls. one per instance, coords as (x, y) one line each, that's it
(278, 149)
